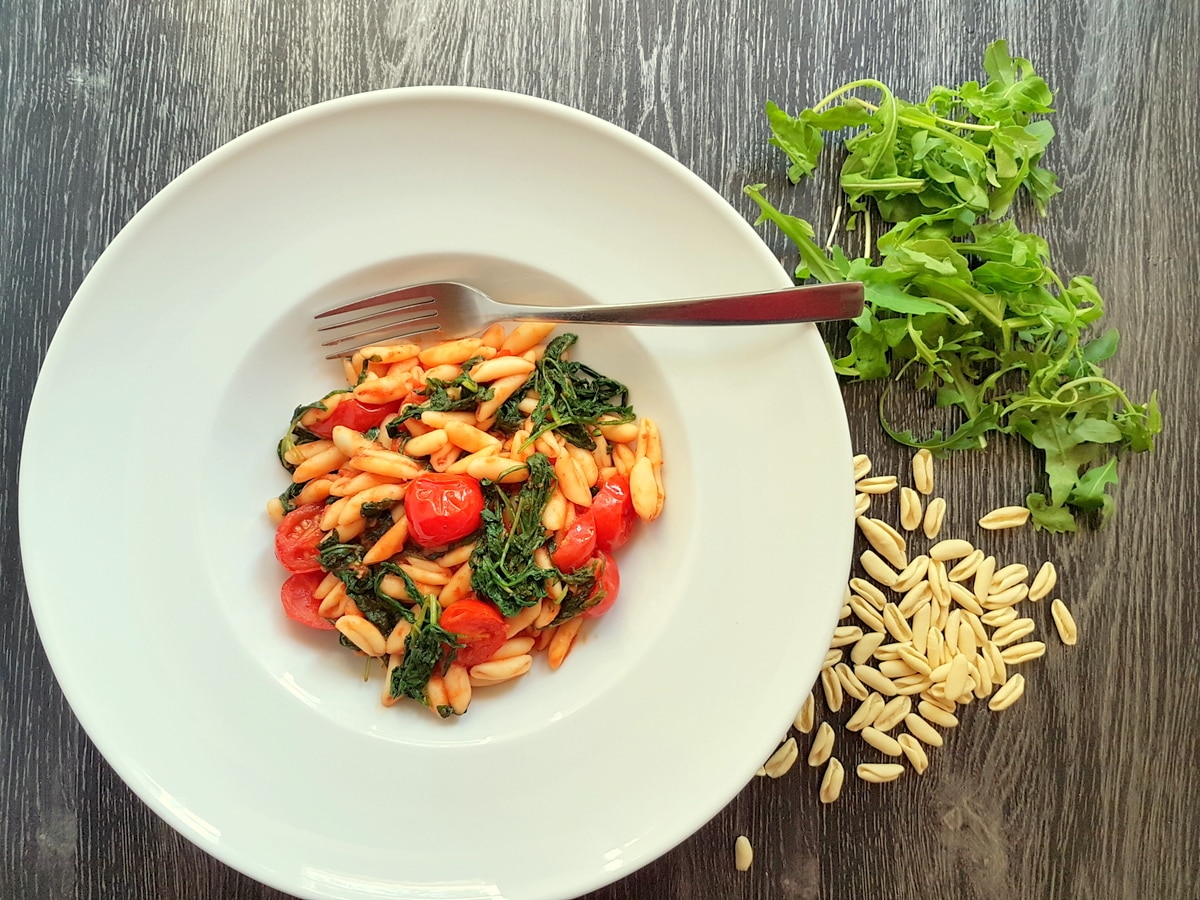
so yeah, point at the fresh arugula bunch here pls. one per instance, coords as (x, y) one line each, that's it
(957, 295)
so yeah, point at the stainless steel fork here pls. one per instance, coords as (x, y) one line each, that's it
(447, 309)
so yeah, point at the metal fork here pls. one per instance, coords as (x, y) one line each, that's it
(450, 310)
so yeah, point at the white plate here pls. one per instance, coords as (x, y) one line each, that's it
(149, 456)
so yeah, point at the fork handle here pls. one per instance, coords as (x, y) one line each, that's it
(807, 303)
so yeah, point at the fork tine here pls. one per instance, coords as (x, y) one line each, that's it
(415, 292)
(391, 329)
(382, 336)
(382, 314)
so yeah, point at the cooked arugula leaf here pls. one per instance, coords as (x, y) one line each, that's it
(462, 392)
(346, 562)
(958, 298)
(424, 649)
(427, 643)
(414, 593)
(288, 497)
(363, 369)
(377, 509)
(509, 417)
(296, 433)
(581, 594)
(573, 397)
(362, 582)
(502, 565)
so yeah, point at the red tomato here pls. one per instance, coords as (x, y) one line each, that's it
(297, 537)
(479, 625)
(354, 414)
(577, 545)
(442, 508)
(300, 603)
(613, 509)
(609, 582)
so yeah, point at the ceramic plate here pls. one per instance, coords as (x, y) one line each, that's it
(149, 457)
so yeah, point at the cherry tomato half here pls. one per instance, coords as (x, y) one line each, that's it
(300, 602)
(477, 624)
(577, 544)
(353, 413)
(442, 508)
(297, 537)
(609, 582)
(613, 509)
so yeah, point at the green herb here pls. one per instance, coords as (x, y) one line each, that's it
(377, 509)
(581, 594)
(288, 497)
(509, 417)
(376, 528)
(958, 297)
(426, 643)
(502, 566)
(346, 562)
(572, 397)
(297, 434)
(444, 396)
(362, 583)
(410, 586)
(423, 651)
(364, 369)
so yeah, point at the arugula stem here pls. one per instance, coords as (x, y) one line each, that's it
(1092, 379)
(970, 397)
(846, 88)
(941, 120)
(1016, 324)
(951, 310)
(837, 220)
(1053, 401)
(983, 311)
(965, 126)
(897, 184)
(922, 349)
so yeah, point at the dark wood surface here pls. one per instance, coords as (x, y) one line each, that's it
(1087, 788)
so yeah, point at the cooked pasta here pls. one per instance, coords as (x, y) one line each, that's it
(454, 509)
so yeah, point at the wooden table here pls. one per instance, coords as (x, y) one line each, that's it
(1087, 788)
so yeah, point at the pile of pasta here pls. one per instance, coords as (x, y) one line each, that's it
(454, 510)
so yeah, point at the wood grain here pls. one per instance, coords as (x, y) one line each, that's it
(1086, 788)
